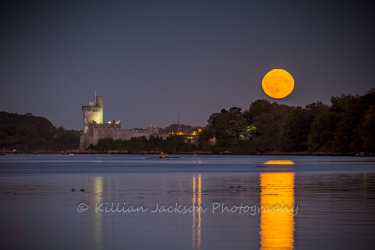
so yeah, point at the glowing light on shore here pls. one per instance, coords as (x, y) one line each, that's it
(279, 162)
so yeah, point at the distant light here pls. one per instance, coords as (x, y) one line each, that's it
(279, 162)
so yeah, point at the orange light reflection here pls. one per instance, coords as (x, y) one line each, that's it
(193, 227)
(199, 233)
(277, 225)
(279, 162)
(197, 222)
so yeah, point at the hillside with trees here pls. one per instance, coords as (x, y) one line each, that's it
(29, 133)
(347, 126)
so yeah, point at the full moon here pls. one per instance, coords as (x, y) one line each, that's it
(278, 83)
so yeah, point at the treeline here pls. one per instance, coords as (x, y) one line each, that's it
(347, 126)
(29, 133)
(172, 144)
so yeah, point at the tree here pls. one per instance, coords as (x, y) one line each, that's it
(235, 110)
(343, 103)
(251, 130)
(355, 109)
(66, 140)
(266, 137)
(256, 108)
(279, 111)
(227, 127)
(368, 130)
(364, 133)
(204, 136)
(266, 119)
(323, 131)
(316, 108)
(173, 143)
(155, 143)
(295, 129)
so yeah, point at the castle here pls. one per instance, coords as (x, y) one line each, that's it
(94, 129)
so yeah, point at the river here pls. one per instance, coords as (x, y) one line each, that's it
(186, 202)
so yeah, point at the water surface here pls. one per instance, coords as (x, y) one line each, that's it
(333, 202)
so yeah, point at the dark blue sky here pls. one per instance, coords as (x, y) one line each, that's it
(153, 59)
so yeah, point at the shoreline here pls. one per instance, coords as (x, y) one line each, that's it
(111, 152)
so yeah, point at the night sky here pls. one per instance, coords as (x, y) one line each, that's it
(153, 59)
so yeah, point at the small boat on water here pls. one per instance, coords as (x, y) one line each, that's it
(163, 156)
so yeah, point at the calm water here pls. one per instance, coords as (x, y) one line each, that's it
(187, 202)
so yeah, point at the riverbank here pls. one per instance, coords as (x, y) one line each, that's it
(305, 153)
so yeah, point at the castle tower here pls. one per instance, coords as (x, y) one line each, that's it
(92, 114)
(153, 130)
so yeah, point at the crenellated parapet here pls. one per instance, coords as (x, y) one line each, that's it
(110, 124)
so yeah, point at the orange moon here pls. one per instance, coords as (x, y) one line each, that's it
(278, 83)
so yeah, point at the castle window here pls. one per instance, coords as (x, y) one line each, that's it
(86, 120)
